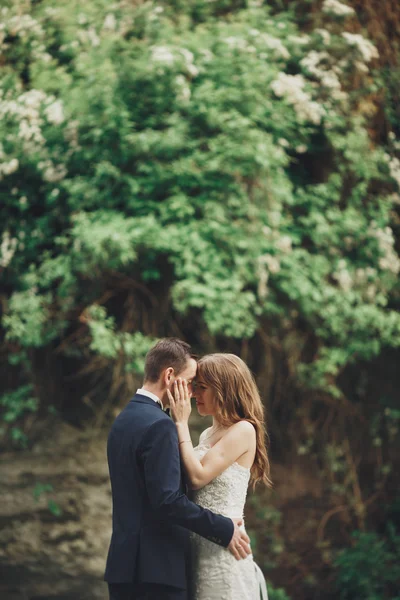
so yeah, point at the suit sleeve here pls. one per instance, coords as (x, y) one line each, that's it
(159, 455)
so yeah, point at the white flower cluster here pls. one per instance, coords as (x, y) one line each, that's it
(110, 22)
(272, 43)
(300, 40)
(318, 65)
(88, 36)
(266, 265)
(165, 56)
(27, 111)
(162, 54)
(363, 280)
(26, 29)
(237, 43)
(22, 25)
(291, 87)
(389, 261)
(367, 279)
(55, 113)
(364, 46)
(284, 244)
(394, 168)
(7, 249)
(191, 68)
(51, 172)
(324, 34)
(342, 276)
(7, 168)
(184, 92)
(276, 45)
(334, 7)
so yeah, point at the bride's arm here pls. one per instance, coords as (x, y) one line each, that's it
(236, 442)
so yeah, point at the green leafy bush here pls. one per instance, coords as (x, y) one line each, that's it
(371, 568)
(190, 143)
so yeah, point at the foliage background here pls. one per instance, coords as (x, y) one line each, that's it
(227, 172)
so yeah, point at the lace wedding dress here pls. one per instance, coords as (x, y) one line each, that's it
(216, 574)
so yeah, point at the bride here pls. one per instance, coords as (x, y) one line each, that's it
(230, 454)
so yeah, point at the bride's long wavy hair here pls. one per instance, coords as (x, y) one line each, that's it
(237, 398)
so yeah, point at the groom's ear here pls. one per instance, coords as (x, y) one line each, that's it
(169, 376)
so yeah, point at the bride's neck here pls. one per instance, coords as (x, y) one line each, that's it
(217, 424)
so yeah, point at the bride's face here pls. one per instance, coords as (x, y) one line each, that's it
(204, 395)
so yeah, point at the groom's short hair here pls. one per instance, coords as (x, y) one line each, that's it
(168, 352)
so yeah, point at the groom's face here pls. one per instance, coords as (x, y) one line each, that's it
(189, 373)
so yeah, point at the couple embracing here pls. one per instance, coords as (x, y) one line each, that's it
(153, 464)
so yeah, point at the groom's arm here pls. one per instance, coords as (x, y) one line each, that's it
(159, 455)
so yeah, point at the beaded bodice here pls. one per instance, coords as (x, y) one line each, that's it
(226, 494)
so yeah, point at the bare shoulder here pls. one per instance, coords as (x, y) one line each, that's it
(244, 429)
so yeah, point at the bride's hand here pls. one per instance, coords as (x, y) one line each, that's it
(179, 401)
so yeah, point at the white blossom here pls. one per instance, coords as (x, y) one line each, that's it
(51, 172)
(7, 249)
(162, 54)
(394, 168)
(236, 43)
(190, 66)
(364, 46)
(325, 35)
(342, 276)
(291, 87)
(184, 92)
(266, 265)
(110, 22)
(8, 168)
(301, 40)
(318, 65)
(54, 112)
(93, 37)
(334, 7)
(389, 260)
(271, 262)
(276, 45)
(26, 111)
(284, 244)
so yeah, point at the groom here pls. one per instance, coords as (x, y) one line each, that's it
(147, 558)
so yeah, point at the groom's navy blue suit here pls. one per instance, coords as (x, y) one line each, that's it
(151, 513)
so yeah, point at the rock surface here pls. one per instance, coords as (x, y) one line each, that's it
(53, 544)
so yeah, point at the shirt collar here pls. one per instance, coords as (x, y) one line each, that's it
(144, 392)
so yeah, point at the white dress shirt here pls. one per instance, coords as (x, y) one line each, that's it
(144, 392)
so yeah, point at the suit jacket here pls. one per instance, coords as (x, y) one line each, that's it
(151, 513)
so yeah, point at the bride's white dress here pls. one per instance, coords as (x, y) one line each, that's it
(216, 574)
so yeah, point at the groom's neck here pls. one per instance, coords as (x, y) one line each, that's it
(155, 389)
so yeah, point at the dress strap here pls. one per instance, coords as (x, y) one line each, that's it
(261, 583)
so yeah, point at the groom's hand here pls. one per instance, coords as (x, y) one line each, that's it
(239, 545)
